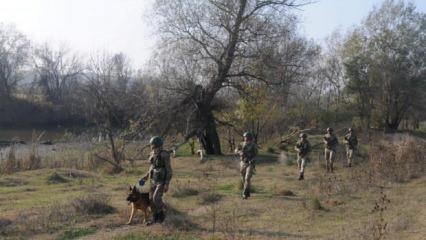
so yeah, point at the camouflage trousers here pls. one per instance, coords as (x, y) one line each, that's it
(349, 155)
(246, 170)
(330, 155)
(156, 194)
(301, 162)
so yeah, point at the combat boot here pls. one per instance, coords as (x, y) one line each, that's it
(155, 219)
(246, 194)
(161, 216)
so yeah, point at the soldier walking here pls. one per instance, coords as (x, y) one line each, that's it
(160, 174)
(351, 142)
(303, 148)
(247, 151)
(331, 142)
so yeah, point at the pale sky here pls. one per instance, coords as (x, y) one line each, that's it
(88, 26)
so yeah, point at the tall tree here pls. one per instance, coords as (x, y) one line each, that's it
(222, 40)
(56, 71)
(386, 56)
(14, 52)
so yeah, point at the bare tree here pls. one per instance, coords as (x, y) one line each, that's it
(14, 52)
(107, 101)
(56, 71)
(215, 42)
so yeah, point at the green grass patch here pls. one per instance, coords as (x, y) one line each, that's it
(184, 151)
(55, 178)
(228, 188)
(75, 233)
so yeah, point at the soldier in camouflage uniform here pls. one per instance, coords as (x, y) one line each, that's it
(331, 142)
(351, 142)
(160, 174)
(303, 148)
(247, 151)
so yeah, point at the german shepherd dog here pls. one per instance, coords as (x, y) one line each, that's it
(139, 201)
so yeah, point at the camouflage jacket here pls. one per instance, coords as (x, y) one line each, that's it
(330, 141)
(303, 147)
(160, 170)
(351, 140)
(247, 151)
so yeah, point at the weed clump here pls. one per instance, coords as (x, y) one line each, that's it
(286, 193)
(75, 233)
(96, 204)
(209, 198)
(10, 164)
(398, 160)
(184, 190)
(56, 178)
(314, 203)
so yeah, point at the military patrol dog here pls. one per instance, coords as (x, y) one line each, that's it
(139, 201)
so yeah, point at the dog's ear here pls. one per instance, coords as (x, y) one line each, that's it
(130, 188)
(135, 189)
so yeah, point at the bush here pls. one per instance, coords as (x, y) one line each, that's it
(55, 178)
(270, 149)
(34, 161)
(95, 204)
(11, 164)
(315, 204)
(184, 189)
(398, 159)
(209, 198)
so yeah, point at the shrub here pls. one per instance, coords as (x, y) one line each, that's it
(184, 189)
(398, 159)
(209, 198)
(33, 161)
(286, 193)
(95, 204)
(270, 149)
(315, 204)
(55, 178)
(11, 164)
(4, 222)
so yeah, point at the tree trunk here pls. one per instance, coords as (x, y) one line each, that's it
(209, 138)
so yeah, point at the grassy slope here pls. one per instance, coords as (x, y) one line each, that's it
(267, 215)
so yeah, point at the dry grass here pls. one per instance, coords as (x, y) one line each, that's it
(58, 215)
(398, 160)
(204, 202)
(94, 204)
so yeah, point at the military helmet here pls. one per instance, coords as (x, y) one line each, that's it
(156, 141)
(303, 135)
(248, 135)
(329, 129)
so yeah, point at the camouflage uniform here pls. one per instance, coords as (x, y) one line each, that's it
(331, 142)
(247, 152)
(303, 148)
(160, 173)
(351, 142)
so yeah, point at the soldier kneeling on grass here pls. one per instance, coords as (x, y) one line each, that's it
(303, 148)
(160, 174)
(247, 151)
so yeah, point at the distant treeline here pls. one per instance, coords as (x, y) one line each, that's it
(235, 66)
